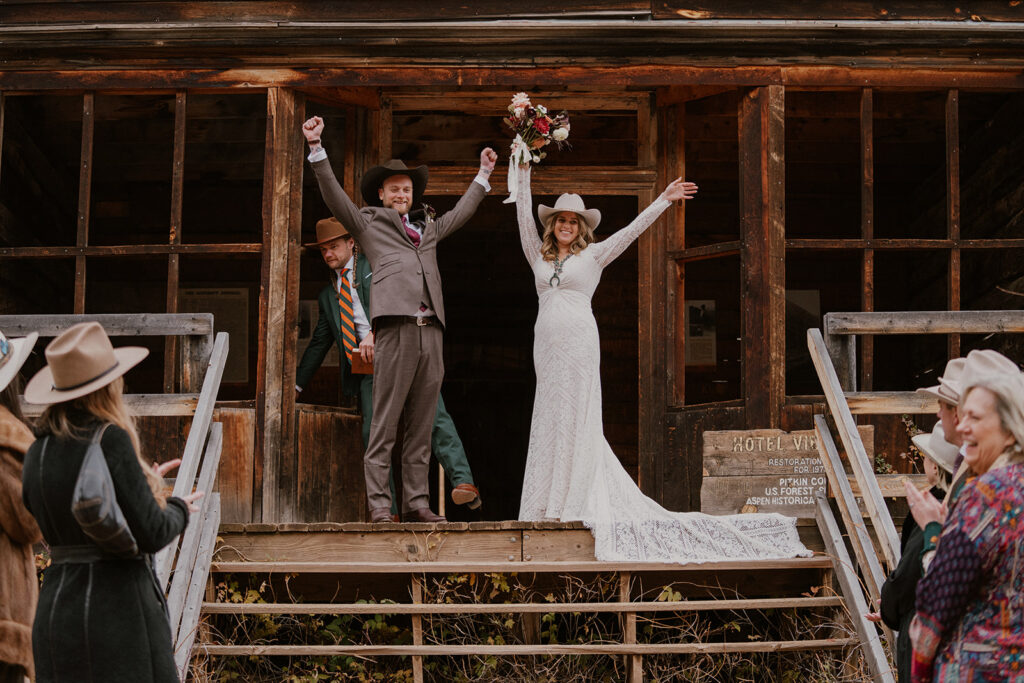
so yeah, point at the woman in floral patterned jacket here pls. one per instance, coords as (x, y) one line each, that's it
(970, 605)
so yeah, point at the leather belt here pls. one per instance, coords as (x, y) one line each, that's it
(83, 554)
(417, 320)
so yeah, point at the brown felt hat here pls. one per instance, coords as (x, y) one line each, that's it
(375, 177)
(13, 354)
(328, 229)
(80, 361)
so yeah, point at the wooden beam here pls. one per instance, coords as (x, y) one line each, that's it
(762, 222)
(890, 403)
(870, 643)
(860, 10)
(707, 251)
(605, 180)
(622, 607)
(634, 663)
(925, 322)
(128, 250)
(862, 466)
(953, 209)
(422, 73)
(84, 196)
(417, 628)
(863, 548)
(867, 232)
(786, 564)
(188, 629)
(521, 650)
(115, 324)
(275, 411)
(177, 191)
(905, 244)
(163, 405)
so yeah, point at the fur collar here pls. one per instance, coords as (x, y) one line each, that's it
(14, 434)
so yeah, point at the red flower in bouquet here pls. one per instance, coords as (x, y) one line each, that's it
(542, 125)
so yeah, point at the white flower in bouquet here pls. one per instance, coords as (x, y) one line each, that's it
(520, 100)
(560, 134)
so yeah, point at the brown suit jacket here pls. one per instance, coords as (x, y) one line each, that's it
(403, 276)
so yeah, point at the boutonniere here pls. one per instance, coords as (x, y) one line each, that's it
(429, 212)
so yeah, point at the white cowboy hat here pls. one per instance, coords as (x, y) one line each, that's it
(80, 361)
(570, 202)
(983, 362)
(13, 354)
(948, 388)
(934, 445)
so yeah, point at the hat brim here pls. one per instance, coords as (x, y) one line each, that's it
(22, 347)
(375, 177)
(40, 389)
(592, 217)
(329, 239)
(921, 441)
(937, 392)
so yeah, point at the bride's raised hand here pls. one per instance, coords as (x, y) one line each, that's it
(679, 189)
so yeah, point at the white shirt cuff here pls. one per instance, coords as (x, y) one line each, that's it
(298, 388)
(480, 178)
(317, 155)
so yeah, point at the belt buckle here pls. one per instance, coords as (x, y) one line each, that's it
(421, 321)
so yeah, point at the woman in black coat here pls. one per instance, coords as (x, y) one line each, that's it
(99, 618)
(900, 588)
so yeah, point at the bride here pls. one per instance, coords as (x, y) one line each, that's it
(571, 471)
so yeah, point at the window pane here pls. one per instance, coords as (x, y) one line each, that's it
(991, 165)
(713, 349)
(993, 280)
(823, 180)
(910, 164)
(712, 161)
(224, 148)
(42, 147)
(133, 154)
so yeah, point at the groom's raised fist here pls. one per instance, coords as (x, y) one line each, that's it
(312, 129)
(488, 157)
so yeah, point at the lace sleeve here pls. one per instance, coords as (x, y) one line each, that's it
(524, 213)
(608, 250)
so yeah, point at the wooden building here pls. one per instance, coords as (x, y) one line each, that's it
(852, 156)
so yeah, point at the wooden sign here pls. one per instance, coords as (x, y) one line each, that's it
(765, 470)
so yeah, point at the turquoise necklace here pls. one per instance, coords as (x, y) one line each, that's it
(555, 278)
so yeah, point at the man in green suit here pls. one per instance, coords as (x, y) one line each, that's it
(338, 250)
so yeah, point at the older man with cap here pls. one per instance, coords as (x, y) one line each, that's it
(344, 321)
(406, 311)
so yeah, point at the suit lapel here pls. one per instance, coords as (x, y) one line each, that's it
(363, 286)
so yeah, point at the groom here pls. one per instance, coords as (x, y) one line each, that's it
(406, 310)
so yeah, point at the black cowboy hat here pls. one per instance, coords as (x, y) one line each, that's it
(375, 177)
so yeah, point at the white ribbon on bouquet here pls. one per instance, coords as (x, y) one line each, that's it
(520, 155)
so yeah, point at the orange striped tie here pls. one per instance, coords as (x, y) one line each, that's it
(348, 324)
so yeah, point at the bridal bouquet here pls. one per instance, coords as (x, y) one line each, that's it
(535, 128)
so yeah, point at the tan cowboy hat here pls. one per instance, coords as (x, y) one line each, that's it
(934, 445)
(948, 388)
(982, 362)
(13, 354)
(80, 361)
(570, 202)
(328, 229)
(375, 177)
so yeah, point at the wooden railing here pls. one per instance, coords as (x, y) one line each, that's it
(203, 359)
(834, 355)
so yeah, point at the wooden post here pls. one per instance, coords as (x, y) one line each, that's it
(282, 222)
(634, 663)
(763, 253)
(867, 232)
(674, 154)
(953, 207)
(177, 184)
(417, 627)
(651, 294)
(84, 196)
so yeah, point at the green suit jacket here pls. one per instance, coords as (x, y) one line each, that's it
(328, 331)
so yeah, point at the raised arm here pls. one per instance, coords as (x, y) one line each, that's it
(608, 250)
(524, 214)
(337, 200)
(467, 205)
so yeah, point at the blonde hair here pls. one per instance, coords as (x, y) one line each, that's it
(1008, 390)
(549, 245)
(107, 405)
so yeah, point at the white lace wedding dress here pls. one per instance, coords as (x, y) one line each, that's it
(571, 471)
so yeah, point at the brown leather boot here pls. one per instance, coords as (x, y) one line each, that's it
(422, 515)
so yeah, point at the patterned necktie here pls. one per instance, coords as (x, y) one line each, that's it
(348, 324)
(413, 235)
